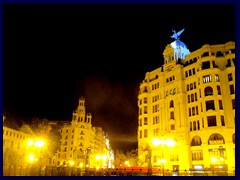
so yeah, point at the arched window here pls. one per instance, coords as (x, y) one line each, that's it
(196, 141)
(216, 138)
(171, 104)
(208, 91)
(174, 90)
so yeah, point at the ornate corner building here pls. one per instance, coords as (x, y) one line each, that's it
(191, 100)
(81, 142)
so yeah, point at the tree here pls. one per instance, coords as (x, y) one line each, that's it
(132, 157)
(119, 159)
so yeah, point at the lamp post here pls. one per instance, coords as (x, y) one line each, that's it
(168, 142)
(35, 152)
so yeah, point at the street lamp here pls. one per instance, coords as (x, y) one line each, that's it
(168, 142)
(34, 145)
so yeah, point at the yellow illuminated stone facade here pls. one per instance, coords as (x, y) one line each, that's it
(81, 142)
(15, 150)
(191, 100)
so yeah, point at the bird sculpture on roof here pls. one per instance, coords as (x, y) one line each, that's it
(176, 36)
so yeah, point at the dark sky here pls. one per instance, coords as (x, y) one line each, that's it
(54, 54)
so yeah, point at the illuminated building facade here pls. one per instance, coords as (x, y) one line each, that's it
(81, 142)
(191, 100)
(14, 147)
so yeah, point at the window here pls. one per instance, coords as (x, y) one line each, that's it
(145, 109)
(171, 104)
(196, 141)
(205, 54)
(140, 101)
(145, 133)
(195, 96)
(191, 86)
(208, 91)
(145, 100)
(197, 110)
(140, 134)
(190, 72)
(194, 126)
(172, 115)
(193, 111)
(190, 126)
(217, 78)
(189, 112)
(232, 89)
(233, 103)
(192, 97)
(198, 125)
(193, 71)
(210, 105)
(197, 155)
(222, 121)
(145, 121)
(174, 91)
(206, 65)
(230, 78)
(220, 104)
(186, 74)
(207, 79)
(188, 87)
(140, 122)
(211, 121)
(172, 126)
(188, 98)
(219, 90)
(228, 63)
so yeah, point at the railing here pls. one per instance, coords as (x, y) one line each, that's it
(72, 171)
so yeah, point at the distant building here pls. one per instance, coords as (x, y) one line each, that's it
(82, 144)
(14, 147)
(191, 100)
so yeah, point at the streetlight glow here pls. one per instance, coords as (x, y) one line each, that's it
(30, 142)
(214, 160)
(40, 143)
(31, 158)
(170, 142)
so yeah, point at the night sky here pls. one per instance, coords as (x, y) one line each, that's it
(54, 54)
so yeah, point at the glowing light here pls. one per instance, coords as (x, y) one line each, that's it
(30, 142)
(198, 167)
(31, 158)
(213, 159)
(156, 142)
(104, 157)
(169, 142)
(81, 164)
(40, 143)
(98, 157)
(221, 159)
(127, 163)
(71, 163)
